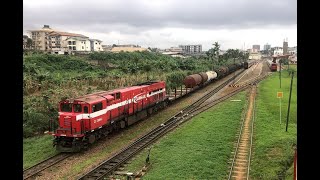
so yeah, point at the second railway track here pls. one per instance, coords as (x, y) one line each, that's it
(111, 164)
(29, 172)
(240, 166)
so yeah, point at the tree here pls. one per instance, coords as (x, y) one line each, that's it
(29, 43)
(213, 53)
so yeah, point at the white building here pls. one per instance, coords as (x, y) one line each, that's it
(95, 45)
(191, 49)
(278, 51)
(292, 50)
(174, 49)
(78, 44)
(58, 43)
(254, 56)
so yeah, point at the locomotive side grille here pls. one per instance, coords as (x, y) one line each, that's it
(67, 122)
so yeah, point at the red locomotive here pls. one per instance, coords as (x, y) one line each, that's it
(85, 119)
(273, 67)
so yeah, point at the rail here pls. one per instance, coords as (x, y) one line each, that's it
(115, 161)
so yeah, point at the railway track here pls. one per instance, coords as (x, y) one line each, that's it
(111, 164)
(240, 166)
(244, 83)
(29, 172)
(206, 106)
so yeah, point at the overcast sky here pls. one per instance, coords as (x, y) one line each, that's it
(168, 23)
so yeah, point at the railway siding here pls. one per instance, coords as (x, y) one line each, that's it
(273, 150)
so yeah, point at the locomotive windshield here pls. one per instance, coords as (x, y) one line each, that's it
(77, 108)
(66, 107)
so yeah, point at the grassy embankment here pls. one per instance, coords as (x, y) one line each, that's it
(36, 149)
(273, 153)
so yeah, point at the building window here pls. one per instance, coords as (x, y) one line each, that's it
(69, 42)
(74, 48)
(70, 47)
(73, 42)
(95, 43)
(82, 47)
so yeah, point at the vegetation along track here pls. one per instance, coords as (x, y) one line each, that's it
(110, 165)
(241, 160)
(27, 173)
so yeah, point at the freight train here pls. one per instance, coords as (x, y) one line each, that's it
(84, 120)
(248, 64)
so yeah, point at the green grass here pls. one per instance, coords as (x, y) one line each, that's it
(273, 152)
(37, 149)
(199, 149)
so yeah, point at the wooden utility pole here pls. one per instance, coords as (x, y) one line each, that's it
(289, 101)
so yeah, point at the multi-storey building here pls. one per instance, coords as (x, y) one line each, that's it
(285, 47)
(191, 49)
(95, 45)
(257, 47)
(58, 43)
(78, 44)
(266, 47)
(40, 38)
(278, 51)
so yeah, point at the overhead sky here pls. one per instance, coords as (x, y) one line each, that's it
(169, 23)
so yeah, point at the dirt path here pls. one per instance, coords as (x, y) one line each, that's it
(242, 156)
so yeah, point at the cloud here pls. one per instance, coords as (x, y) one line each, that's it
(143, 17)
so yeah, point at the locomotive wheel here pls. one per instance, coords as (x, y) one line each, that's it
(92, 139)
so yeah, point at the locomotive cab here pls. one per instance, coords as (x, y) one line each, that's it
(71, 124)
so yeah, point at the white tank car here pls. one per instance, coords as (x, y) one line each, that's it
(211, 75)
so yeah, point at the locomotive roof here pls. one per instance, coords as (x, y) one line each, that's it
(90, 98)
(99, 96)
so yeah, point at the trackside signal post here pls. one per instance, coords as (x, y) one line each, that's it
(280, 96)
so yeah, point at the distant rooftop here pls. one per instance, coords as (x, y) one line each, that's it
(55, 33)
(127, 49)
(95, 40)
(78, 38)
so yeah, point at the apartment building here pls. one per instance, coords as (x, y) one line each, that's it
(58, 43)
(95, 45)
(78, 44)
(40, 38)
(257, 47)
(191, 49)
